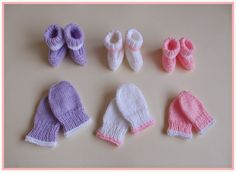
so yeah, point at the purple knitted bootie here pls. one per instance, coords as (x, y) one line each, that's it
(67, 107)
(74, 36)
(46, 126)
(54, 38)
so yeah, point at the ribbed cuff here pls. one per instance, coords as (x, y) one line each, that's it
(202, 122)
(140, 121)
(112, 132)
(54, 37)
(74, 36)
(72, 119)
(108, 40)
(171, 48)
(44, 133)
(134, 39)
(180, 129)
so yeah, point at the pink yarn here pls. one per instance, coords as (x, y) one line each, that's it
(185, 55)
(186, 111)
(179, 125)
(146, 125)
(109, 139)
(195, 112)
(170, 48)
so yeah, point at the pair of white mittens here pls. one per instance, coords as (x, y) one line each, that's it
(128, 110)
(114, 45)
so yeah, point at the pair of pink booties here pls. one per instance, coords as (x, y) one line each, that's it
(182, 50)
(186, 111)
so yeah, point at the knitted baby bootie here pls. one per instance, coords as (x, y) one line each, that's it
(133, 43)
(54, 38)
(170, 50)
(74, 36)
(115, 52)
(185, 55)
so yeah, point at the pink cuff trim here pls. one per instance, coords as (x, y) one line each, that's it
(108, 138)
(142, 127)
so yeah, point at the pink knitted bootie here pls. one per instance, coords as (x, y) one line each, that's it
(185, 55)
(170, 50)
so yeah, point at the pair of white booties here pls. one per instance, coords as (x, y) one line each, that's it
(114, 44)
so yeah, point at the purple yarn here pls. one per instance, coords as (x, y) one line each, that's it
(74, 36)
(66, 106)
(46, 126)
(54, 38)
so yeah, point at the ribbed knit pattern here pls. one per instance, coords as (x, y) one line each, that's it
(115, 52)
(133, 44)
(45, 131)
(46, 126)
(186, 111)
(54, 38)
(66, 106)
(73, 119)
(133, 107)
(74, 36)
(114, 126)
(170, 49)
(185, 56)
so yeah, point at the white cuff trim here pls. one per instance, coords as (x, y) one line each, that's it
(134, 39)
(74, 130)
(179, 134)
(40, 142)
(113, 40)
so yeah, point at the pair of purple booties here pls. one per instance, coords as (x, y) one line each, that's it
(59, 40)
(61, 108)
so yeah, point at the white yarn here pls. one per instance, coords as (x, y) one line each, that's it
(40, 142)
(114, 44)
(114, 125)
(133, 105)
(134, 41)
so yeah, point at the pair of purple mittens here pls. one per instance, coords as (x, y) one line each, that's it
(59, 40)
(62, 107)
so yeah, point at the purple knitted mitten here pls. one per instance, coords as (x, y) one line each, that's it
(54, 38)
(46, 126)
(74, 36)
(67, 107)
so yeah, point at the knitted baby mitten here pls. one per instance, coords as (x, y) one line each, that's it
(185, 55)
(54, 38)
(46, 126)
(115, 52)
(133, 107)
(195, 112)
(170, 50)
(178, 124)
(74, 36)
(133, 44)
(67, 107)
(114, 126)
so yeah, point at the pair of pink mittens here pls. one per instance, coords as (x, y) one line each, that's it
(182, 50)
(186, 111)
